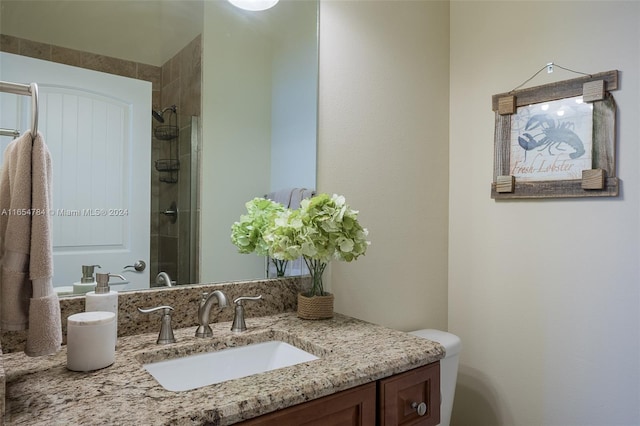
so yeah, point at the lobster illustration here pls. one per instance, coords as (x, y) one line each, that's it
(551, 134)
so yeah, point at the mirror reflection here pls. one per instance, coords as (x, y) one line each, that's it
(230, 114)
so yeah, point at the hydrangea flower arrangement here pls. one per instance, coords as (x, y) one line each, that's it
(248, 233)
(322, 229)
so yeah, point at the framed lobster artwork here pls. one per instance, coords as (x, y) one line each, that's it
(556, 140)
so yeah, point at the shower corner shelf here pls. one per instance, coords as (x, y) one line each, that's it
(169, 179)
(167, 165)
(166, 132)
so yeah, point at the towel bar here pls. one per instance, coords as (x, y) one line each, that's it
(25, 90)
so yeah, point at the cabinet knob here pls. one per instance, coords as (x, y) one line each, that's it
(421, 408)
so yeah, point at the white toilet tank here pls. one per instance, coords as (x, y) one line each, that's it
(448, 368)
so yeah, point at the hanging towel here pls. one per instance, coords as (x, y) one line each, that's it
(282, 196)
(308, 193)
(298, 195)
(27, 298)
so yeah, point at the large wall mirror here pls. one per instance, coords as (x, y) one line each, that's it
(230, 114)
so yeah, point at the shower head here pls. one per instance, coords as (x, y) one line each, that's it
(160, 115)
(157, 116)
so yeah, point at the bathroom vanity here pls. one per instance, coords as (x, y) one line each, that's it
(357, 360)
(365, 372)
(397, 404)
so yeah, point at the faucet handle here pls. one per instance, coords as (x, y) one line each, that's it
(166, 332)
(239, 300)
(238, 319)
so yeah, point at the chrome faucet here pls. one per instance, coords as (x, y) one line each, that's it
(205, 308)
(163, 279)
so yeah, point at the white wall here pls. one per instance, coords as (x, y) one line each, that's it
(544, 294)
(383, 143)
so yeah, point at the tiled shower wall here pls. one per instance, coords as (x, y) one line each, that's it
(177, 82)
(181, 86)
(77, 58)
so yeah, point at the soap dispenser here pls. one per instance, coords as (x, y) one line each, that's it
(103, 298)
(87, 282)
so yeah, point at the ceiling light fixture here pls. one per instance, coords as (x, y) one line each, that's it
(254, 5)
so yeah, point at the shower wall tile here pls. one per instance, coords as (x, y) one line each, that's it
(150, 73)
(171, 95)
(185, 138)
(181, 86)
(170, 72)
(35, 49)
(165, 227)
(110, 65)
(156, 100)
(197, 254)
(153, 257)
(155, 189)
(78, 58)
(184, 185)
(168, 249)
(168, 256)
(63, 55)
(9, 44)
(174, 65)
(184, 256)
(191, 77)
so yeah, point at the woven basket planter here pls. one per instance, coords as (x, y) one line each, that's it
(316, 307)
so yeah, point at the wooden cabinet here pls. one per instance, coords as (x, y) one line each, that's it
(411, 398)
(388, 402)
(355, 407)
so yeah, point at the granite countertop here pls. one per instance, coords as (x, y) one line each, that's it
(41, 391)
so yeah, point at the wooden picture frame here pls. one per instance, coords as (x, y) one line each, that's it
(580, 148)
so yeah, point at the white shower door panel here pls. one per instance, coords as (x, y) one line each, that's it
(98, 130)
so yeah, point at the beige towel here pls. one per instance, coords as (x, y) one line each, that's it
(27, 298)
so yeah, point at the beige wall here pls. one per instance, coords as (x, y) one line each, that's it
(544, 294)
(149, 32)
(383, 143)
(246, 74)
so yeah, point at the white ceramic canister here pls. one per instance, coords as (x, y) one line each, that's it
(91, 341)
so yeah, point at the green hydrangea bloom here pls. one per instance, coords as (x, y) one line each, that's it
(322, 229)
(247, 234)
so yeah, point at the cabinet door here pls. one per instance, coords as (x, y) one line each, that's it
(401, 397)
(355, 407)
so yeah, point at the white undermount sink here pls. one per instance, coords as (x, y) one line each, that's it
(194, 371)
